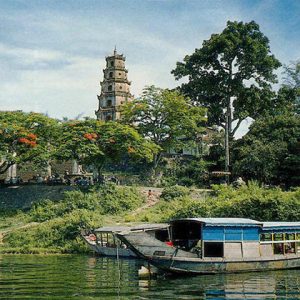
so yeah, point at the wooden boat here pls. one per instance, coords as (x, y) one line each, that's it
(220, 245)
(103, 240)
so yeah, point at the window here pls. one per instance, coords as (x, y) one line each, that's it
(290, 236)
(289, 248)
(110, 88)
(108, 118)
(110, 74)
(112, 63)
(298, 236)
(109, 103)
(213, 249)
(266, 237)
(278, 248)
(278, 236)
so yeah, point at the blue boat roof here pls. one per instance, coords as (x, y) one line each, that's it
(223, 221)
(281, 225)
(241, 222)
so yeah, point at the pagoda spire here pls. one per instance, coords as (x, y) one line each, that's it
(115, 88)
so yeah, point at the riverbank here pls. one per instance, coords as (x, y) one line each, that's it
(54, 226)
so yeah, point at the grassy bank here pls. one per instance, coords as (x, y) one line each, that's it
(54, 226)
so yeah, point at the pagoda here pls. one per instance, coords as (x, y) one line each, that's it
(114, 88)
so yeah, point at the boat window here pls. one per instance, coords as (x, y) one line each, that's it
(289, 248)
(298, 236)
(186, 235)
(290, 236)
(186, 230)
(162, 235)
(298, 247)
(278, 248)
(213, 249)
(278, 236)
(266, 237)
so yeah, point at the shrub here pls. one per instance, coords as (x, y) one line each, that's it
(173, 192)
(249, 201)
(62, 233)
(108, 199)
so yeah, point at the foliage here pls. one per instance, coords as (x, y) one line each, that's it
(249, 201)
(116, 200)
(61, 222)
(292, 74)
(191, 171)
(61, 233)
(94, 142)
(292, 84)
(26, 137)
(269, 152)
(107, 199)
(176, 191)
(166, 118)
(233, 66)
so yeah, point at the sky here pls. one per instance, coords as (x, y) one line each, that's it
(52, 52)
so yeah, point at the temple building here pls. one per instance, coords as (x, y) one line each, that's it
(114, 88)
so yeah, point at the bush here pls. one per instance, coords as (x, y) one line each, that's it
(249, 201)
(108, 199)
(62, 233)
(63, 220)
(173, 192)
(115, 199)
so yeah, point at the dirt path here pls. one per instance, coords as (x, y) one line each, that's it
(152, 197)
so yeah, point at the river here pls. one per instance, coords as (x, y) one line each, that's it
(84, 277)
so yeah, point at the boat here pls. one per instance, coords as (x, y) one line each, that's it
(219, 245)
(103, 240)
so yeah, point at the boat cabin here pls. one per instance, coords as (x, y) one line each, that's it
(235, 238)
(105, 236)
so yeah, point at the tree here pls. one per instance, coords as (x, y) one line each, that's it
(292, 84)
(231, 75)
(269, 152)
(26, 137)
(165, 117)
(95, 143)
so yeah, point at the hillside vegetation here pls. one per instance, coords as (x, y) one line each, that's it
(54, 227)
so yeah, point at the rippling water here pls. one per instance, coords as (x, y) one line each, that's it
(83, 277)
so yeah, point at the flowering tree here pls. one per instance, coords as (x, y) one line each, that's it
(95, 143)
(26, 137)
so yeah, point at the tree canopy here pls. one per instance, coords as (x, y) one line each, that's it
(269, 152)
(93, 142)
(165, 117)
(232, 70)
(26, 137)
(231, 75)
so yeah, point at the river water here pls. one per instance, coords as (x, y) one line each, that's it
(84, 277)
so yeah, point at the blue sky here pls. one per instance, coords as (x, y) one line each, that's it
(52, 52)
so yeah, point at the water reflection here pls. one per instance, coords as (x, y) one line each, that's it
(82, 277)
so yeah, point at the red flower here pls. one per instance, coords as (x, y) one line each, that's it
(23, 140)
(27, 142)
(90, 136)
(31, 136)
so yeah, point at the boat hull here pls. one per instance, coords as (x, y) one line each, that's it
(172, 260)
(188, 266)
